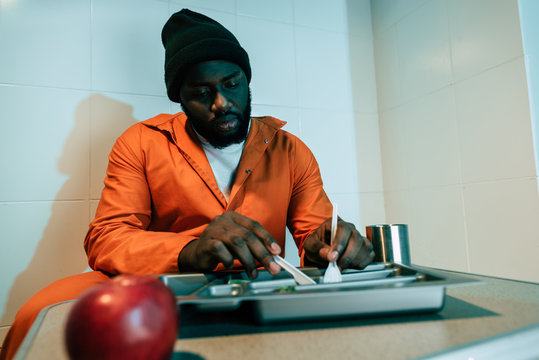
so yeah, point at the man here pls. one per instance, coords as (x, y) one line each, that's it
(207, 189)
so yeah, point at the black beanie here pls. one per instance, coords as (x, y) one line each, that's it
(190, 38)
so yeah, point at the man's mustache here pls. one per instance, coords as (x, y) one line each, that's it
(222, 114)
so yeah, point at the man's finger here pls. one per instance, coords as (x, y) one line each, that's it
(218, 253)
(352, 251)
(258, 230)
(246, 240)
(359, 252)
(342, 237)
(316, 251)
(369, 253)
(262, 254)
(238, 246)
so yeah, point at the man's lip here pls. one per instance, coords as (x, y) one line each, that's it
(227, 122)
(226, 117)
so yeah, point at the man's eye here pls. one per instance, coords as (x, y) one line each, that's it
(232, 84)
(200, 93)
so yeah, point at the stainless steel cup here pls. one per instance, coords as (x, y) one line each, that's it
(390, 243)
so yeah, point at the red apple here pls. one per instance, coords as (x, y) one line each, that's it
(128, 317)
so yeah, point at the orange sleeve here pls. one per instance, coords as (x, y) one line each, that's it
(309, 205)
(118, 240)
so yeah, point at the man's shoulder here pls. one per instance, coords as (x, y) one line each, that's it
(270, 121)
(269, 126)
(272, 126)
(146, 130)
(163, 120)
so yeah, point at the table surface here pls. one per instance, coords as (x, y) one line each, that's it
(470, 313)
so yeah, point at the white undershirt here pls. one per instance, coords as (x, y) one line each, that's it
(223, 162)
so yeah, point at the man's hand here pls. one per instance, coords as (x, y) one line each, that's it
(231, 236)
(350, 249)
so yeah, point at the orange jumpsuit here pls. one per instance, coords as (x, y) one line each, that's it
(160, 194)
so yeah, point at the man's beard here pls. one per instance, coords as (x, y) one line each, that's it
(216, 138)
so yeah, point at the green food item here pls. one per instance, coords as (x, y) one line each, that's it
(287, 289)
(238, 281)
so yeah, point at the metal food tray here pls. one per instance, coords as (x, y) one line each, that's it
(381, 288)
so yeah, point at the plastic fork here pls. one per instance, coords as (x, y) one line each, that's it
(297, 274)
(333, 274)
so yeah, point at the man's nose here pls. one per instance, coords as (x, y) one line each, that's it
(220, 103)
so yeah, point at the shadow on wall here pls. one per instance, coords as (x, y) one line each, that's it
(60, 251)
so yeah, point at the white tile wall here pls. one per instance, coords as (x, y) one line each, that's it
(372, 210)
(42, 241)
(493, 117)
(44, 143)
(394, 145)
(386, 13)
(528, 10)
(276, 10)
(327, 15)
(348, 207)
(291, 250)
(46, 43)
(3, 333)
(423, 55)
(93, 209)
(369, 158)
(363, 77)
(327, 134)
(483, 39)
(358, 19)
(437, 229)
(275, 58)
(456, 132)
(127, 53)
(398, 208)
(365, 105)
(387, 68)
(361, 47)
(207, 5)
(323, 69)
(432, 148)
(532, 70)
(502, 228)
